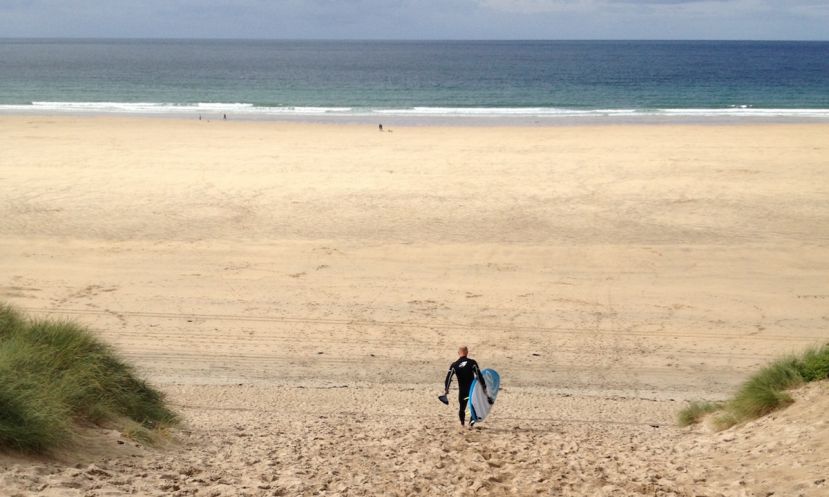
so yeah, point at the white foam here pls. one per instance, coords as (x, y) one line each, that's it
(169, 108)
(319, 110)
(251, 110)
(125, 107)
(224, 107)
(501, 111)
(734, 111)
(746, 111)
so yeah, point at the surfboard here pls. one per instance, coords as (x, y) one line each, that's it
(479, 406)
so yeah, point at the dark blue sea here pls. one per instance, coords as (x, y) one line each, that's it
(269, 79)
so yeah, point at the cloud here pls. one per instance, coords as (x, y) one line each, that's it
(535, 6)
(523, 19)
(666, 2)
(562, 5)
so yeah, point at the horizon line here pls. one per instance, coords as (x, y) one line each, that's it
(159, 38)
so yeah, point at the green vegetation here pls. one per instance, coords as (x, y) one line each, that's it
(56, 375)
(814, 365)
(764, 392)
(696, 411)
(723, 420)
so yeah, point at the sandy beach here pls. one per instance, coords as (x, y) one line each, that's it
(299, 290)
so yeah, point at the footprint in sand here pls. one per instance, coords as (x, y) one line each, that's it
(86, 292)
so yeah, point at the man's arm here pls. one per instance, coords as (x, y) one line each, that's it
(449, 376)
(478, 375)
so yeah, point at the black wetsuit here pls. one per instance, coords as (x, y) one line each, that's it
(466, 370)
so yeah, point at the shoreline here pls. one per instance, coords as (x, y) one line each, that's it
(692, 118)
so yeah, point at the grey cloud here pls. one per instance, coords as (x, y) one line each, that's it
(666, 2)
(550, 19)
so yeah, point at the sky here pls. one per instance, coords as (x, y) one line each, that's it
(418, 19)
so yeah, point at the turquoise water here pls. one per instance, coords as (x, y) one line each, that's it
(487, 78)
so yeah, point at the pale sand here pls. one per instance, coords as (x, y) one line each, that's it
(608, 273)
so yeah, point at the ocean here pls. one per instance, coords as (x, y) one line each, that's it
(382, 80)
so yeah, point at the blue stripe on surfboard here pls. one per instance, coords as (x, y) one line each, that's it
(472, 415)
(493, 383)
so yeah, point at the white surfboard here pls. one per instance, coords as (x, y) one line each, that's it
(479, 406)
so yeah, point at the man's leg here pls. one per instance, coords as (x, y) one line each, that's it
(463, 398)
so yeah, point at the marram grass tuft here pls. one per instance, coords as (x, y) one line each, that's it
(55, 375)
(763, 392)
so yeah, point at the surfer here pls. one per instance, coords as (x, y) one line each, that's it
(466, 370)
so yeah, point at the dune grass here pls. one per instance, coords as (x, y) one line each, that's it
(764, 392)
(56, 375)
(696, 411)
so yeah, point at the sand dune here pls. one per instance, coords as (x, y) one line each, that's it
(608, 273)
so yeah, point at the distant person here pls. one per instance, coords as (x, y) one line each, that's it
(466, 370)
(224, 116)
(199, 117)
(381, 127)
